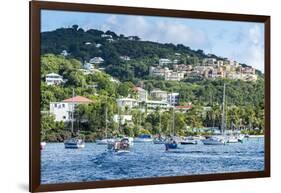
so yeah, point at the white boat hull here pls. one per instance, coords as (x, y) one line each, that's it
(140, 140)
(104, 141)
(214, 141)
(74, 144)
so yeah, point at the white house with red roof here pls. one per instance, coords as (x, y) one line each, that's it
(62, 110)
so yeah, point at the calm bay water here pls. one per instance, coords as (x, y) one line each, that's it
(94, 162)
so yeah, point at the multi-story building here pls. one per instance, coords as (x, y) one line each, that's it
(174, 76)
(127, 102)
(141, 93)
(158, 71)
(173, 99)
(152, 104)
(159, 94)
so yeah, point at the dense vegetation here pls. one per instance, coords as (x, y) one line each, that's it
(245, 102)
(82, 45)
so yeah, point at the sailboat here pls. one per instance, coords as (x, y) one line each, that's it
(159, 139)
(106, 140)
(74, 142)
(219, 139)
(171, 141)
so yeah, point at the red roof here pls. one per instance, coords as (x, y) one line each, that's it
(78, 99)
(184, 107)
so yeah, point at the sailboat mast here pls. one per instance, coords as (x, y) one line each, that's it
(174, 120)
(106, 119)
(160, 130)
(72, 111)
(223, 109)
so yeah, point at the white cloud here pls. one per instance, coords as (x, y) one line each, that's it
(164, 31)
(252, 51)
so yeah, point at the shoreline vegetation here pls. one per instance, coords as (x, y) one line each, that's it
(117, 76)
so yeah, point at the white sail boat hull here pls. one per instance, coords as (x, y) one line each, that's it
(74, 143)
(214, 141)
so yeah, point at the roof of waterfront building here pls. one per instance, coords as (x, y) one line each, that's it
(78, 99)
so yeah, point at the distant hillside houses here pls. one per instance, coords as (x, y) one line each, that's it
(210, 68)
(164, 61)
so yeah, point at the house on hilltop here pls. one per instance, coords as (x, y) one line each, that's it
(96, 60)
(54, 79)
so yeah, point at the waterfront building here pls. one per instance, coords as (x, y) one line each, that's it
(62, 110)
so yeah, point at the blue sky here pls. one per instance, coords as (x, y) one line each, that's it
(240, 41)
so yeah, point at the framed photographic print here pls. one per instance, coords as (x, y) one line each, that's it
(123, 96)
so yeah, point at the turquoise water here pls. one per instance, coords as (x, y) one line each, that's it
(94, 162)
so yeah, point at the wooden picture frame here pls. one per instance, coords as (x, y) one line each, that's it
(34, 99)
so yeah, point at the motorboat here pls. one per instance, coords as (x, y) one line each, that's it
(122, 146)
(104, 141)
(188, 141)
(74, 143)
(171, 143)
(143, 139)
